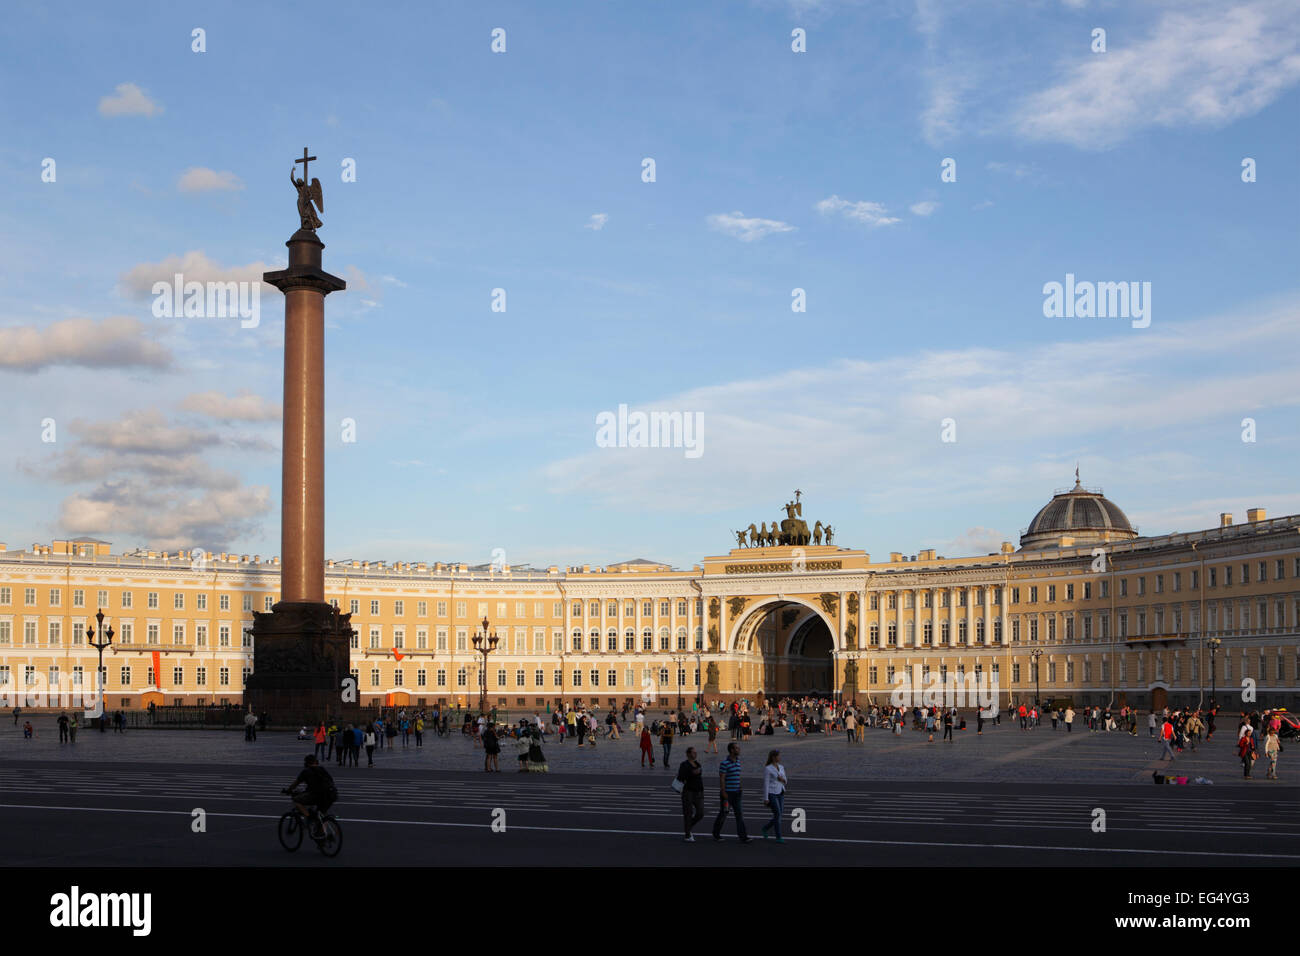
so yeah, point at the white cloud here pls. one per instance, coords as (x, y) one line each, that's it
(744, 228)
(597, 221)
(152, 483)
(1202, 67)
(1018, 170)
(129, 100)
(871, 213)
(244, 407)
(195, 266)
(198, 179)
(924, 208)
(1024, 414)
(115, 342)
(976, 541)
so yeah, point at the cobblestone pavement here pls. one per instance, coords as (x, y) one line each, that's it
(1003, 754)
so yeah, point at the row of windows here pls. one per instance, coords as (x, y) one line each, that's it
(125, 634)
(54, 676)
(592, 609)
(576, 677)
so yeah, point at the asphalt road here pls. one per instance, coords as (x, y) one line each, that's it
(113, 813)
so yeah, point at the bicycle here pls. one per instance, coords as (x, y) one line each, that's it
(293, 823)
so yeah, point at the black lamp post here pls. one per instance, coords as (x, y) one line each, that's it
(1214, 644)
(485, 645)
(92, 633)
(1034, 655)
(678, 660)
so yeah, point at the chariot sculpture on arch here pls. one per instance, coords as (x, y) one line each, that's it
(790, 531)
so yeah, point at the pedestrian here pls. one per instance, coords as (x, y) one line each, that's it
(63, 728)
(850, 726)
(419, 730)
(948, 717)
(370, 738)
(712, 723)
(1151, 723)
(1024, 717)
(666, 739)
(1056, 716)
(1166, 739)
(319, 738)
(730, 794)
(1272, 747)
(72, 729)
(774, 783)
(647, 747)
(491, 750)
(979, 721)
(1069, 719)
(1246, 751)
(250, 727)
(929, 724)
(691, 777)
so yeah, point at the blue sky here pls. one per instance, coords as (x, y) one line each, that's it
(775, 170)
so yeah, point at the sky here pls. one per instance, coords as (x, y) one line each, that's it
(922, 171)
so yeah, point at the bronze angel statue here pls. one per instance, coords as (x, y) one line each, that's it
(306, 196)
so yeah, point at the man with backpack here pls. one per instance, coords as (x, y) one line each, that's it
(319, 793)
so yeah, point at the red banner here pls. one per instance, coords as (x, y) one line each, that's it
(157, 670)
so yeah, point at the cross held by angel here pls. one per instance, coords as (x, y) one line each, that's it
(307, 194)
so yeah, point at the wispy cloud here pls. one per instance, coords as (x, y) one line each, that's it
(924, 208)
(1205, 67)
(128, 100)
(116, 342)
(244, 407)
(195, 266)
(1008, 405)
(152, 483)
(870, 213)
(199, 179)
(744, 228)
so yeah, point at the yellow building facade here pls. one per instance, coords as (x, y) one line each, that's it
(1085, 609)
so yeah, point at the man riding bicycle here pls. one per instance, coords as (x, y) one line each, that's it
(318, 795)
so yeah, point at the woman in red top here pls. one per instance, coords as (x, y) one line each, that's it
(319, 737)
(647, 747)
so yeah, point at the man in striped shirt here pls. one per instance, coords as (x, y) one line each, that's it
(729, 781)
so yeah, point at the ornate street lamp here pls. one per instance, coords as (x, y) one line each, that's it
(1034, 655)
(678, 660)
(1213, 644)
(485, 645)
(93, 633)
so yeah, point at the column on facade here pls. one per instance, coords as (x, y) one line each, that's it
(898, 616)
(934, 615)
(952, 616)
(988, 614)
(970, 615)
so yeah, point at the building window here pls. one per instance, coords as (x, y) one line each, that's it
(374, 677)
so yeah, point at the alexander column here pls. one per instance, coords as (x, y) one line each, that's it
(301, 647)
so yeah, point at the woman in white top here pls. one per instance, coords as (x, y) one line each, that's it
(774, 793)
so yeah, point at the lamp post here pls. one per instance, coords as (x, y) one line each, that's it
(699, 678)
(679, 660)
(1034, 655)
(92, 633)
(1213, 644)
(485, 645)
